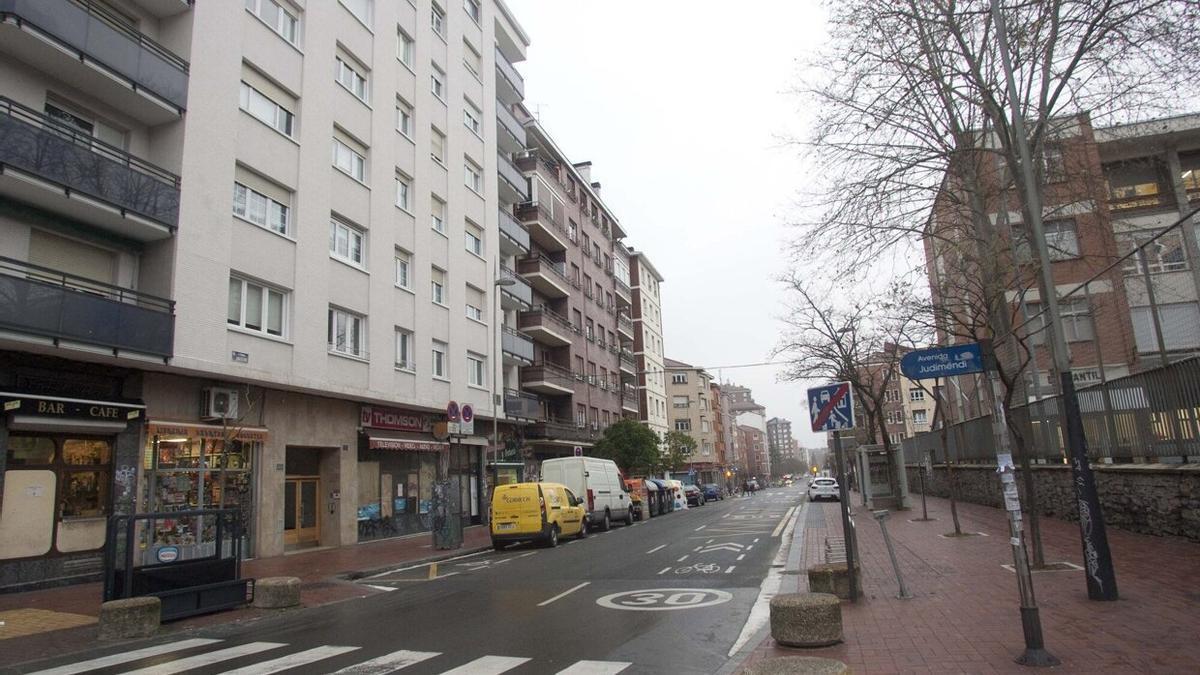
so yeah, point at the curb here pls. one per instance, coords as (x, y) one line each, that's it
(357, 575)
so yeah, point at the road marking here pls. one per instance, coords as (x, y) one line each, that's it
(665, 570)
(682, 559)
(741, 556)
(710, 541)
(701, 528)
(563, 594)
(387, 663)
(501, 562)
(664, 599)
(755, 540)
(750, 547)
(725, 516)
(291, 660)
(783, 522)
(760, 612)
(526, 555)
(596, 668)
(730, 570)
(656, 548)
(172, 667)
(487, 665)
(126, 657)
(381, 588)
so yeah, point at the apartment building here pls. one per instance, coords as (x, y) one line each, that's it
(745, 412)
(249, 256)
(752, 441)
(689, 390)
(723, 434)
(780, 442)
(579, 319)
(648, 342)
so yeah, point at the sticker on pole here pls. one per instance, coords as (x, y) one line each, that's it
(664, 599)
(831, 407)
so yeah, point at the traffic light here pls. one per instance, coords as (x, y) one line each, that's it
(814, 470)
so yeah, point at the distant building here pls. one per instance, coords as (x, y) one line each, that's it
(780, 443)
(691, 413)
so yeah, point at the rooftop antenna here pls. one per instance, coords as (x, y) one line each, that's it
(537, 110)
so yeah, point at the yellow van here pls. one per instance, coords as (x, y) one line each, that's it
(536, 512)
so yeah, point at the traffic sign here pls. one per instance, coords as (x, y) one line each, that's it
(924, 364)
(452, 411)
(466, 426)
(578, 451)
(831, 407)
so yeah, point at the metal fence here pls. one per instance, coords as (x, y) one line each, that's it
(1152, 416)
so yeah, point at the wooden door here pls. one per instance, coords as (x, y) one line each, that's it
(301, 511)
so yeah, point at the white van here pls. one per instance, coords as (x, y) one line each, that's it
(596, 481)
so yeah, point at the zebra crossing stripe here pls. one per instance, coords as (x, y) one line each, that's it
(125, 657)
(596, 668)
(487, 665)
(387, 663)
(292, 660)
(172, 667)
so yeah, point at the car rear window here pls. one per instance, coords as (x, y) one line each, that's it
(826, 481)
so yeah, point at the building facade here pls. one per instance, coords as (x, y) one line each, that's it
(688, 389)
(249, 255)
(780, 442)
(648, 343)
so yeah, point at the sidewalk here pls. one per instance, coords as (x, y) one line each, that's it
(60, 620)
(964, 616)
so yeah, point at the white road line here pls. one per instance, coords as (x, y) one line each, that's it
(526, 555)
(501, 562)
(697, 548)
(741, 556)
(725, 516)
(656, 548)
(755, 540)
(665, 570)
(381, 588)
(487, 665)
(413, 567)
(126, 657)
(563, 594)
(596, 668)
(701, 528)
(730, 570)
(291, 660)
(710, 541)
(783, 522)
(172, 667)
(682, 559)
(750, 547)
(760, 612)
(387, 663)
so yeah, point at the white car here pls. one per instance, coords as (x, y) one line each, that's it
(823, 488)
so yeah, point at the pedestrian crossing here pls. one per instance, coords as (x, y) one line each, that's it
(185, 655)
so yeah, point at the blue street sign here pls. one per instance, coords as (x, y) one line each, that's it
(924, 364)
(831, 407)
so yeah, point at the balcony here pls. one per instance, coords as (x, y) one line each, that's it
(517, 348)
(164, 8)
(90, 49)
(546, 326)
(628, 363)
(625, 326)
(522, 405)
(59, 168)
(516, 296)
(545, 227)
(629, 402)
(623, 292)
(511, 137)
(562, 430)
(514, 238)
(514, 189)
(548, 277)
(51, 304)
(548, 378)
(510, 86)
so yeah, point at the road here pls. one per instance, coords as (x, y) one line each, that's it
(671, 594)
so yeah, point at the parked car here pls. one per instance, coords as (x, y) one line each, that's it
(695, 496)
(712, 491)
(536, 512)
(598, 482)
(824, 488)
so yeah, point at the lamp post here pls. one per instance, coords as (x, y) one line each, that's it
(498, 368)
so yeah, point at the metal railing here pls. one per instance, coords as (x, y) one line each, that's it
(540, 312)
(544, 371)
(622, 287)
(623, 321)
(562, 429)
(516, 344)
(90, 29)
(627, 359)
(535, 264)
(542, 210)
(512, 228)
(519, 289)
(510, 73)
(522, 405)
(509, 121)
(49, 303)
(513, 176)
(62, 154)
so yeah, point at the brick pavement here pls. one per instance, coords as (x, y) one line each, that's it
(965, 618)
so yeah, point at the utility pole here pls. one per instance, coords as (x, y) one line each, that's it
(1101, 578)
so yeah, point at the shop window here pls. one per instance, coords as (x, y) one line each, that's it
(29, 451)
(85, 494)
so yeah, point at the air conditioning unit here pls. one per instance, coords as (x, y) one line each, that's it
(219, 403)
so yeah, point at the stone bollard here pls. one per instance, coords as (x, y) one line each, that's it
(806, 619)
(832, 578)
(277, 592)
(807, 665)
(130, 618)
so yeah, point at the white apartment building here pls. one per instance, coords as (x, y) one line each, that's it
(648, 342)
(249, 251)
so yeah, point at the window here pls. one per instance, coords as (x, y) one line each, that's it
(265, 110)
(580, 415)
(678, 378)
(920, 417)
(438, 366)
(1189, 173)
(403, 268)
(1076, 321)
(360, 9)
(472, 60)
(437, 214)
(475, 303)
(256, 307)
(474, 237)
(437, 83)
(1053, 168)
(1061, 240)
(404, 347)
(404, 118)
(1165, 254)
(258, 208)
(437, 21)
(437, 147)
(683, 425)
(403, 187)
(1180, 323)
(679, 401)
(346, 242)
(406, 48)
(351, 76)
(438, 286)
(916, 394)
(590, 330)
(471, 117)
(278, 18)
(473, 176)
(346, 334)
(473, 9)
(704, 428)
(587, 285)
(349, 160)
(1135, 184)
(475, 371)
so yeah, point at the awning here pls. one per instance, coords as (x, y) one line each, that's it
(232, 432)
(380, 443)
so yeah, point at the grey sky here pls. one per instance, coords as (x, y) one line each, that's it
(678, 106)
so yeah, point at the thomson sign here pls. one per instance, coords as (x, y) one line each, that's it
(378, 417)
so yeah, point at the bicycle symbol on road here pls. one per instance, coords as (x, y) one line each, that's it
(703, 568)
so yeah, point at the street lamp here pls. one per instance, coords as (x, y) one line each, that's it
(496, 403)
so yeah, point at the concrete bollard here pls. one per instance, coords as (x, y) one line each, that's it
(832, 578)
(808, 665)
(130, 618)
(277, 592)
(806, 619)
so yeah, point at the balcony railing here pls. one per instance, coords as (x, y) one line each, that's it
(627, 359)
(90, 30)
(514, 230)
(46, 302)
(513, 176)
(522, 405)
(562, 429)
(537, 264)
(622, 288)
(545, 371)
(516, 344)
(509, 121)
(510, 73)
(542, 313)
(56, 152)
(543, 211)
(625, 323)
(519, 289)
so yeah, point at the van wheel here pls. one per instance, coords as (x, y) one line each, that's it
(607, 524)
(552, 540)
(583, 529)
(498, 546)
(629, 516)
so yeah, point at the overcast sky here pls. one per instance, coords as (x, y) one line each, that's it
(680, 108)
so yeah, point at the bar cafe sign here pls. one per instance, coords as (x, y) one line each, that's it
(73, 408)
(394, 419)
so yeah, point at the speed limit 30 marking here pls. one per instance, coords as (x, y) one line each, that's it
(664, 599)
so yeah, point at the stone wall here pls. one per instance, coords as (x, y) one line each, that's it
(1158, 499)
